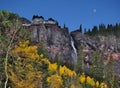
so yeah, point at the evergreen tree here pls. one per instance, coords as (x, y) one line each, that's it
(64, 26)
(102, 29)
(109, 29)
(95, 30)
(85, 31)
(80, 28)
(89, 32)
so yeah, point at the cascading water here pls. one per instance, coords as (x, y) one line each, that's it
(74, 54)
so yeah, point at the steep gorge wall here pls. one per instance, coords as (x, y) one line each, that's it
(57, 41)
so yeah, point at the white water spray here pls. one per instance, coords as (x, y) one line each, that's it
(74, 54)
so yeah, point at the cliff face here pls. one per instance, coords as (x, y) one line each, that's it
(57, 41)
(108, 46)
(65, 46)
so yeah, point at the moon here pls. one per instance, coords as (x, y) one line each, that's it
(94, 10)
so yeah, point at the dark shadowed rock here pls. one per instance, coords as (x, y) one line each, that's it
(57, 40)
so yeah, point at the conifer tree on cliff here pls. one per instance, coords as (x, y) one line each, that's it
(80, 28)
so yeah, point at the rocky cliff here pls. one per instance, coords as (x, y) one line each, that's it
(57, 40)
(65, 46)
(108, 46)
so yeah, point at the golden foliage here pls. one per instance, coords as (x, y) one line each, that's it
(52, 67)
(82, 78)
(103, 85)
(97, 84)
(90, 81)
(63, 70)
(29, 80)
(26, 51)
(55, 81)
(25, 72)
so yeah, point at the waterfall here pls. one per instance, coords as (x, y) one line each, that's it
(74, 54)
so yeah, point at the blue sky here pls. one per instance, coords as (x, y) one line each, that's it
(69, 12)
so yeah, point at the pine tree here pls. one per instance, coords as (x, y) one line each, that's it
(80, 28)
(95, 30)
(85, 31)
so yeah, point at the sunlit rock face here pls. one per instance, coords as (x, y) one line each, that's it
(57, 40)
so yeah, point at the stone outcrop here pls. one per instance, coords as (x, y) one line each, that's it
(108, 45)
(57, 40)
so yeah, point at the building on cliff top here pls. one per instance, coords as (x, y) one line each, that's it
(36, 20)
(40, 19)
